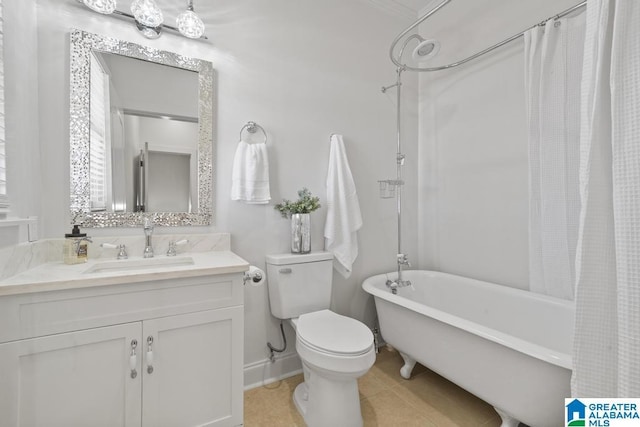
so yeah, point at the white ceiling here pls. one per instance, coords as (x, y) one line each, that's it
(415, 5)
(405, 8)
(502, 8)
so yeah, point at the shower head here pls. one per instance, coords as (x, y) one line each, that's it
(426, 49)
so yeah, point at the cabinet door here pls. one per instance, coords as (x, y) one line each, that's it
(197, 362)
(74, 379)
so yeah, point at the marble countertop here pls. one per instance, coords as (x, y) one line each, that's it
(53, 276)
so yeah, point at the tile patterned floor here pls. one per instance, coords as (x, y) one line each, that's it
(387, 400)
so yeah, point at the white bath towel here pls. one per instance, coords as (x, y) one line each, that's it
(343, 214)
(250, 176)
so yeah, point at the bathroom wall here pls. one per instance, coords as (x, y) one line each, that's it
(21, 112)
(302, 70)
(473, 192)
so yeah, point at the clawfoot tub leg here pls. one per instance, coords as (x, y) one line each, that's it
(409, 363)
(507, 420)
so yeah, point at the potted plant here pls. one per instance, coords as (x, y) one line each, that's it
(299, 212)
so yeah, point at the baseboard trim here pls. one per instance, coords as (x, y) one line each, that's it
(265, 372)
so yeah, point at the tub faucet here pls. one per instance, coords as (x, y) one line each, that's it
(148, 231)
(403, 260)
(392, 285)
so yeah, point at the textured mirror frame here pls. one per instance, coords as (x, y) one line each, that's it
(82, 44)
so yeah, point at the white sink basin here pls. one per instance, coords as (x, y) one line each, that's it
(138, 264)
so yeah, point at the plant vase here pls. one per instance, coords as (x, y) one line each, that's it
(301, 233)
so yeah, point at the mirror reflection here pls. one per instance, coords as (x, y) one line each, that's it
(144, 134)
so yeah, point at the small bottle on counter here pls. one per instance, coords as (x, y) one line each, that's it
(75, 247)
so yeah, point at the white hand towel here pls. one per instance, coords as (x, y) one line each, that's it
(343, 214)
(250, 176)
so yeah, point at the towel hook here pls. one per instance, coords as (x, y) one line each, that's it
(252, 127)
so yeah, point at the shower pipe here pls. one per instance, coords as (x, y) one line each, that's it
(402, 259)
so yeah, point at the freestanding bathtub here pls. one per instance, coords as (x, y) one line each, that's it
(509, 347)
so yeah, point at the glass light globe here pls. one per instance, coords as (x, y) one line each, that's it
(102, 6)
(190, 24)
(147, 13)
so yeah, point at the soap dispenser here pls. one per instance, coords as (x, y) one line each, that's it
(75, 246)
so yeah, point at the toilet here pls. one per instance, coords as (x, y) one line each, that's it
(335, 350)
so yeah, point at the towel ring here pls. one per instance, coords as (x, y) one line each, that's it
(252, 127)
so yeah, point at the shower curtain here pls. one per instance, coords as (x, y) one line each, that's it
(553, 65)
(607, 334)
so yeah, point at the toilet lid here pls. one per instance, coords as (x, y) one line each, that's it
(327, 331)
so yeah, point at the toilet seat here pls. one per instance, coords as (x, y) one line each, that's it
(332, 334)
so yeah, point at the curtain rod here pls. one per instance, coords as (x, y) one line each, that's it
(424, 17)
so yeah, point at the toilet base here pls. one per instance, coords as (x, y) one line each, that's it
(328, 403)
(300, 398)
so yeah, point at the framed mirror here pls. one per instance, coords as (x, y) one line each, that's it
(141, 135)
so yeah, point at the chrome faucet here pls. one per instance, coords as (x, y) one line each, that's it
(173, 246)
(393, 285)
(403, 260)
(148, 231)
(122, 251)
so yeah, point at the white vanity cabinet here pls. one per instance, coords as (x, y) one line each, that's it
(71, 379)
(195, 369)
(156, 353)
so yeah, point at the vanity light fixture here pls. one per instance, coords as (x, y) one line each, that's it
(190, 24)
(101, 6)
(149, 18)
(147, 13)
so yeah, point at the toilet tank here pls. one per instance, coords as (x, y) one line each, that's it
(299, 284)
